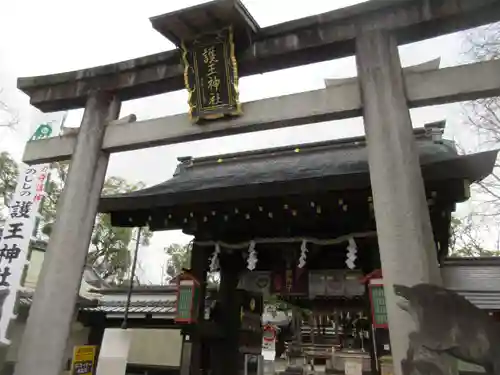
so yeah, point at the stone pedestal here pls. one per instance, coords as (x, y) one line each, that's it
(113, 355)
(269, 368)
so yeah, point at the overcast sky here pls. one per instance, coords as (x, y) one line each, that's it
(53, 36)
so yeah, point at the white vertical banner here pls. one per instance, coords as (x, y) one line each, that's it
(19, 227)
(17, 232)
(14, 245)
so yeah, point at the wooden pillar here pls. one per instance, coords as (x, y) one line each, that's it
(375, 370)
(192, 345)
(229, 355)
(405, 238)
(43, 346)
(97, 324)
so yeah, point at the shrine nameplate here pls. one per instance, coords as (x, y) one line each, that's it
(326, 283)
(290, 282)
(255, 281)
(211, 76)
(353, 285)
(317, 284)
(334, 283)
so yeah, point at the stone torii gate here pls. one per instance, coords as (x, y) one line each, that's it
(382, 94)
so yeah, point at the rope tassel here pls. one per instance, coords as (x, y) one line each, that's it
(214, 261)
(303, 254)
(252, 256)
(352, 251)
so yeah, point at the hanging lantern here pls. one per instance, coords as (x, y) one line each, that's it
(188, 299)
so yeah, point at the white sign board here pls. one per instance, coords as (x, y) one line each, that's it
(269, 342)
(16, 238)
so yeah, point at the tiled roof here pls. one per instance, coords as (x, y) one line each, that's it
(330, 165)
(138, 307)
(169, 289)
(117, 307)
(483, 300)
(26, 298)
(138, 289)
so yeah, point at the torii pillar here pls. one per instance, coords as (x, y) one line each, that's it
(404, 231)
(43, 345)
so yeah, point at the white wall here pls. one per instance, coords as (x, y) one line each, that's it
(159, 347)
(155, 347)
(34, 268)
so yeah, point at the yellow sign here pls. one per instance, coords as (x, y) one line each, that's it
(83, 360)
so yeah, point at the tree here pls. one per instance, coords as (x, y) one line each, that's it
(466, 239)
(482, 131)
(179, 257)
(8, 179)
(109, 252)
(483, 115)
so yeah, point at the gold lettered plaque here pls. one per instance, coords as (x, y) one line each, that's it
(211, 76)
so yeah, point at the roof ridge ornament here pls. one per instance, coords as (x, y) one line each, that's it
(184, 162)
(435, 130)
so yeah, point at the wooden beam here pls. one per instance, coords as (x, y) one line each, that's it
(333, 103)
(313, 39)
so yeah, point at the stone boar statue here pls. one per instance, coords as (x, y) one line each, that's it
(448, 323)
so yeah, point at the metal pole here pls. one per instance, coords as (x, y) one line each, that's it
(132, 275)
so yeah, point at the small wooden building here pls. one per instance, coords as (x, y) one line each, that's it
(151, 316)
(272, 203)
(294, 213)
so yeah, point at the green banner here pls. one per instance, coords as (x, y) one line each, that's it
(187, 303)
(184, 304)
(378, 305)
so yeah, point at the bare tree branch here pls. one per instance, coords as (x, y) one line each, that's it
(8, 116)
(482, 121)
